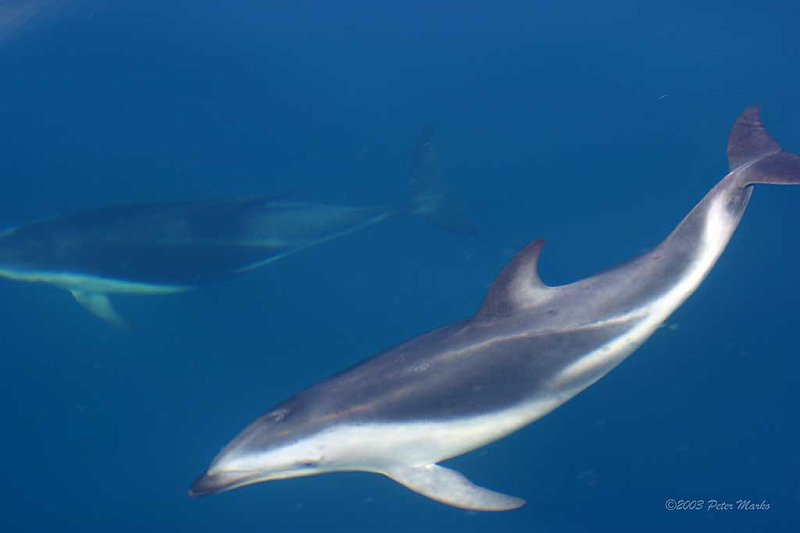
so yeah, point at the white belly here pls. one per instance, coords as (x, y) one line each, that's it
(90, 284)
(382, 446)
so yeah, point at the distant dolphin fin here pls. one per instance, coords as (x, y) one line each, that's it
(99, 305)
(451, 488)
(760, 157)
(518, 286)
(431, 198)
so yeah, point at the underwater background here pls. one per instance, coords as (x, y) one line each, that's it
(594, 125)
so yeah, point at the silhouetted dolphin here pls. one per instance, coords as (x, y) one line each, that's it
(157, 249)
(529, 349)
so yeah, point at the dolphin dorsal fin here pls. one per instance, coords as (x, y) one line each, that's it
(518, 286)
(451, 488)
(749, 139)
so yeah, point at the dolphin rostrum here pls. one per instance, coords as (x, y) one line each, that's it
(529, 349)
(165, 248)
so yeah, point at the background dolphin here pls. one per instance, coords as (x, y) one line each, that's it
(165, 248)
(529, 349)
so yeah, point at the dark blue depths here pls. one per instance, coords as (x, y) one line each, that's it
(593, 125)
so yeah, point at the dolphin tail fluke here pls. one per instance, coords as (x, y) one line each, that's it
(451, 488)
(757, 155)
(100, 306)
(431, 198)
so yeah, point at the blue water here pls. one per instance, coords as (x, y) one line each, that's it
(594, 125)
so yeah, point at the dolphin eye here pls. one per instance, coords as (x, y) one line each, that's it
(309, 463)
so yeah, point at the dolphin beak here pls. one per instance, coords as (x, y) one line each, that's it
(214, 483)
(204, 486)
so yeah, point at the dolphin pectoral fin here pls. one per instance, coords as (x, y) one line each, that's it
(99, 305)
(451, 488)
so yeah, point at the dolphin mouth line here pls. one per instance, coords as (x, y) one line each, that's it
(208, 484)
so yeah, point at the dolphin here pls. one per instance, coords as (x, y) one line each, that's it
(167, 248)
(530, 348)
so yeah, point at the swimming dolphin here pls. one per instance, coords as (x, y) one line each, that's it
(166, 248)
(529, 349)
